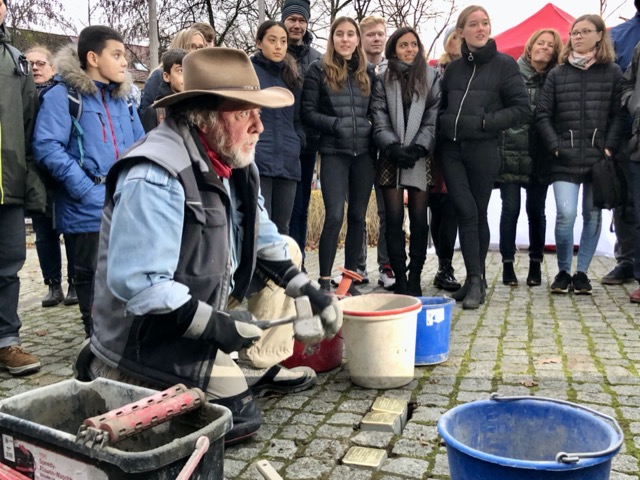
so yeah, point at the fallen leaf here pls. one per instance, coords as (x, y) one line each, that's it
(529, 383)
(548, 360)
(41, 333)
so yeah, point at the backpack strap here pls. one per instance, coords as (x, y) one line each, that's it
(75, 112)
(22, 65)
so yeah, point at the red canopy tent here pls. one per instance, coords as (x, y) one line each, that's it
(512, 41)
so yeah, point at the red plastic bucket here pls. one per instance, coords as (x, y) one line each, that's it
(322, 357)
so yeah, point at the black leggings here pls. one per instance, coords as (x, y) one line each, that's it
(344, 177)
(470, 170)
(394, 208)
(279, 195)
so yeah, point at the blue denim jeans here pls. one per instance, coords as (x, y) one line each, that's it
(566, 195)
(48, 248)
(634, 170)
(510, 193)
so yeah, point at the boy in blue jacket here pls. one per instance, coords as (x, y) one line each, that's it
(79, 154)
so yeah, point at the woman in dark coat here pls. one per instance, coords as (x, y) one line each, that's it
(404, 110)
(335, 102)
(525, 162)
(482, 94)
(278, 151)
(580, 119)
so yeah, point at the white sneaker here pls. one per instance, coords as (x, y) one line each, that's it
(335, 281)
(386, 279)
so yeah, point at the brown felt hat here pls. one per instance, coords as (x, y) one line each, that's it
(227, 73)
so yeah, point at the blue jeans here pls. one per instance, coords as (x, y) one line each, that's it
(634, 169)
(300, 214)
(344, 177)
(48, 248)
(13, 252)
(510, 193)
(566, 195)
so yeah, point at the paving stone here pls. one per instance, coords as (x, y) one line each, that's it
(297, 432)
(282, 449)
(408, 467)
(411, 448)
(306, 467)
(350, 419)
(372, 439)
(232, 468)
(331, 431)
(344, 472)
(325, 448)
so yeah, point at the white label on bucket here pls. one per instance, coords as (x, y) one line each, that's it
(435, 315)
(7, 448)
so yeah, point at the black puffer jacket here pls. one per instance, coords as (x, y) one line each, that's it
(523, 156)
(482, 94)
(340, 117)
(579, 114)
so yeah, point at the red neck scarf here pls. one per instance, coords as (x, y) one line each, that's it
(221, 169)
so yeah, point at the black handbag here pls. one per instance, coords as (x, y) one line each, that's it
(609, 184)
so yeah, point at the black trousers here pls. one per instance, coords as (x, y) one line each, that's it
(470, 170)
(86, 258)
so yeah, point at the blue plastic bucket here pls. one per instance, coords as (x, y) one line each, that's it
(529, 438)
(433, 332)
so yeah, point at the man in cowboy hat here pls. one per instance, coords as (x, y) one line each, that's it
(183, 233)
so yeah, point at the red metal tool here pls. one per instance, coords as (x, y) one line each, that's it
(348, 276)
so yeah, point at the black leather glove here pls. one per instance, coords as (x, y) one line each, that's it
(398, 156)
(324, 305)
(416, 151)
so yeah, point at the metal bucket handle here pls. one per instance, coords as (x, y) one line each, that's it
(564, 457)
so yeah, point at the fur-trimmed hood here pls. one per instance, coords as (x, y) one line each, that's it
(68, 66)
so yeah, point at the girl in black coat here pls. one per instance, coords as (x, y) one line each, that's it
(580, 119)
(404, 109)
(278, 151)
(482, 94)
(335, 102)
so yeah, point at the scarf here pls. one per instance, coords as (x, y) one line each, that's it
(222, 170)
(415, 176)
(582, 60)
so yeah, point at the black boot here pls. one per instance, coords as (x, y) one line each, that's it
(509, 274)
(245, 414)
(459, 294)
(401, 286)
(444, 278)
(72, 297)
(535, 275)
(414, 287)
(55, 294)
(473, 297)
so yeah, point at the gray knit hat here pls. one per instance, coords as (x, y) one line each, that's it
(447, 33)
(301, 7)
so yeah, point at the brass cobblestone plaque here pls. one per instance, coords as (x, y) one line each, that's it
(370, 458)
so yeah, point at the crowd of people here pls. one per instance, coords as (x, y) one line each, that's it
(175, 210)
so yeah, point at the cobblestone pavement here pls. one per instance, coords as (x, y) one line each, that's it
(522, 341)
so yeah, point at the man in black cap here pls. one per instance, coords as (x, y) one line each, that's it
(295, 16)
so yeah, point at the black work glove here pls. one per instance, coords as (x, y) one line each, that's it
(231, 331)
(324, 305)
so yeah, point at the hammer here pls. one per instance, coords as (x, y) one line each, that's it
(307, 327)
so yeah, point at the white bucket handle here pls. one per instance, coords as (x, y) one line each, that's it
(564, 457)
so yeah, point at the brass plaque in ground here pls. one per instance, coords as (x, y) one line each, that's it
(382, 422)
(370, 458)
(391, 405)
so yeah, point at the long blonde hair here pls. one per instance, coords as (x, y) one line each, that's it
(335, 66)
(604, 48)
(557, 45)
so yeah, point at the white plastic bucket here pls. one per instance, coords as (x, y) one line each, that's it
(380, 339)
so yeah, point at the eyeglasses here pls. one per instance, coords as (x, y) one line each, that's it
(39, 64)
(582, 33)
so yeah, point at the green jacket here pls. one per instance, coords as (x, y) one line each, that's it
(20, 183)
(523, 156)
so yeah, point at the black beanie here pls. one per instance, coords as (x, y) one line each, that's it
(301, 7)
